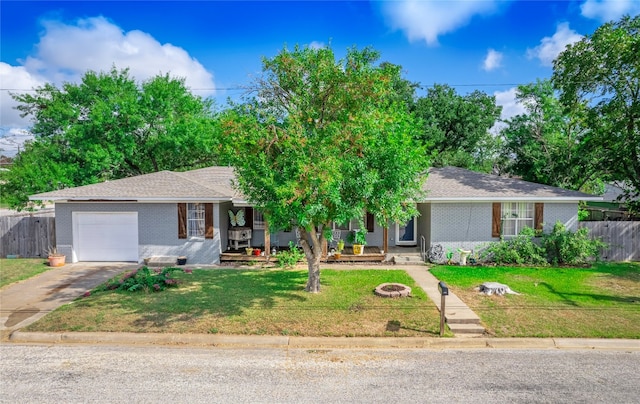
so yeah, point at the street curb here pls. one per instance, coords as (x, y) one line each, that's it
(266, 341)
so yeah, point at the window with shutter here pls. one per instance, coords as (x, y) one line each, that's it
(195, 220)
(509, 218)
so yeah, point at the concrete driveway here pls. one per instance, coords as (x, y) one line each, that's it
(27, 301)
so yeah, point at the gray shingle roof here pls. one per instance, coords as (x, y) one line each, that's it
(215, 183)
(457, 184)
(212, 183)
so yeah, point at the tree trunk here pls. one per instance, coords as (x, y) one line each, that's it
(313, 282)
(313, 257)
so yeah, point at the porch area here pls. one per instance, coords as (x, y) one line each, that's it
(370, 254)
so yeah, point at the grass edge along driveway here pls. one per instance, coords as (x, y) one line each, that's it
(18, 269)
(598, 302)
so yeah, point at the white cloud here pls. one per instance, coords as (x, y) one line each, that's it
(14, 79)
(510, 107)
(551, 47)
(317, 45)
(12, 140)
(65, 52)
(607, 10)
(493, 60)
(426, 20)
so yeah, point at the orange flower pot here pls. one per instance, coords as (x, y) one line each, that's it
(56, 260)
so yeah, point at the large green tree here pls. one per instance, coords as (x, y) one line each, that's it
(546, 145)
(600, 74)
(456, 127)
(108, 126)
(326, 140)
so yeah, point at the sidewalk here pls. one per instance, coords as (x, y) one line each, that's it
(285, 342)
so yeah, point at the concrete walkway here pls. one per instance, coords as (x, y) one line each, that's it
(462, 321)
(27, 301)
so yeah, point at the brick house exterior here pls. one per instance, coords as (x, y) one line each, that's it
(151, 214)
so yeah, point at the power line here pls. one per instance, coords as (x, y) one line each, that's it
(244, 88)
(192, 89)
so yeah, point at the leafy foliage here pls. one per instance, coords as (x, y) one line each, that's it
(107, 127)
(565, 247)
(143, 279)
(289, 258)
(561, 246)
(456, 128)
(546, 145)
(358, 236)
(521, 249)
(324, 141)
(600, 76)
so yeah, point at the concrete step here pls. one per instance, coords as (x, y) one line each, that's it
(408, 259)
(462, 319)
(466, 328)
(162, 261)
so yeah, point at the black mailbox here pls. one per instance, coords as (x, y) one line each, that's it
(444, 290)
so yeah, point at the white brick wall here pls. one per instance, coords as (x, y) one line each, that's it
(567, 213)
(468, 225)
(461, 225)
(157, 230)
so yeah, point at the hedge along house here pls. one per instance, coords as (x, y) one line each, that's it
(198, 214)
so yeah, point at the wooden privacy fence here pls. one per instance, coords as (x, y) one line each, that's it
(27, 236)
(623, 239)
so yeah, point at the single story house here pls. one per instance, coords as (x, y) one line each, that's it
(199, 214)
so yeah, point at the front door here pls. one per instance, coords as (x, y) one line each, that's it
(407, 234)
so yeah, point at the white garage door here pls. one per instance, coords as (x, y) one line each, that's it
(105, 236)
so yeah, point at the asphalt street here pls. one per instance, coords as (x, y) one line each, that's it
(119, 374)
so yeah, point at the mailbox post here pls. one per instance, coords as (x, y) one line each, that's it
(444, 291)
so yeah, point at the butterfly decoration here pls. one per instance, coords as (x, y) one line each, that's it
(237, 219)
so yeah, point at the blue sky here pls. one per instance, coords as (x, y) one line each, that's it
(218, 46)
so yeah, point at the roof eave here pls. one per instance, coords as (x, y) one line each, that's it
(559, 199)
(131, 199)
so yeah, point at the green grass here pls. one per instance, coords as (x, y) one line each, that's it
(14, 270)
(271, 302)
(598, 302)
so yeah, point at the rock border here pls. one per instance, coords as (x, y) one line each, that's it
(379, 290)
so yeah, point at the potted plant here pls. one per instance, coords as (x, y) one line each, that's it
(339, 248)
(358, 238)
(55, 258)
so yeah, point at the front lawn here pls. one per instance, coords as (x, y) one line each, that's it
(270, 302)
(598, 302)
(14, 270)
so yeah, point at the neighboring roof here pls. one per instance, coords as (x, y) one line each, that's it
(615, 193)
(215, 184)
(212, 183)
(458, 184)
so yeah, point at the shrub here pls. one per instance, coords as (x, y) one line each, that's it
(287, 259)
(521, 249)
(565, 247)
(561, 246)
(143, 279)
